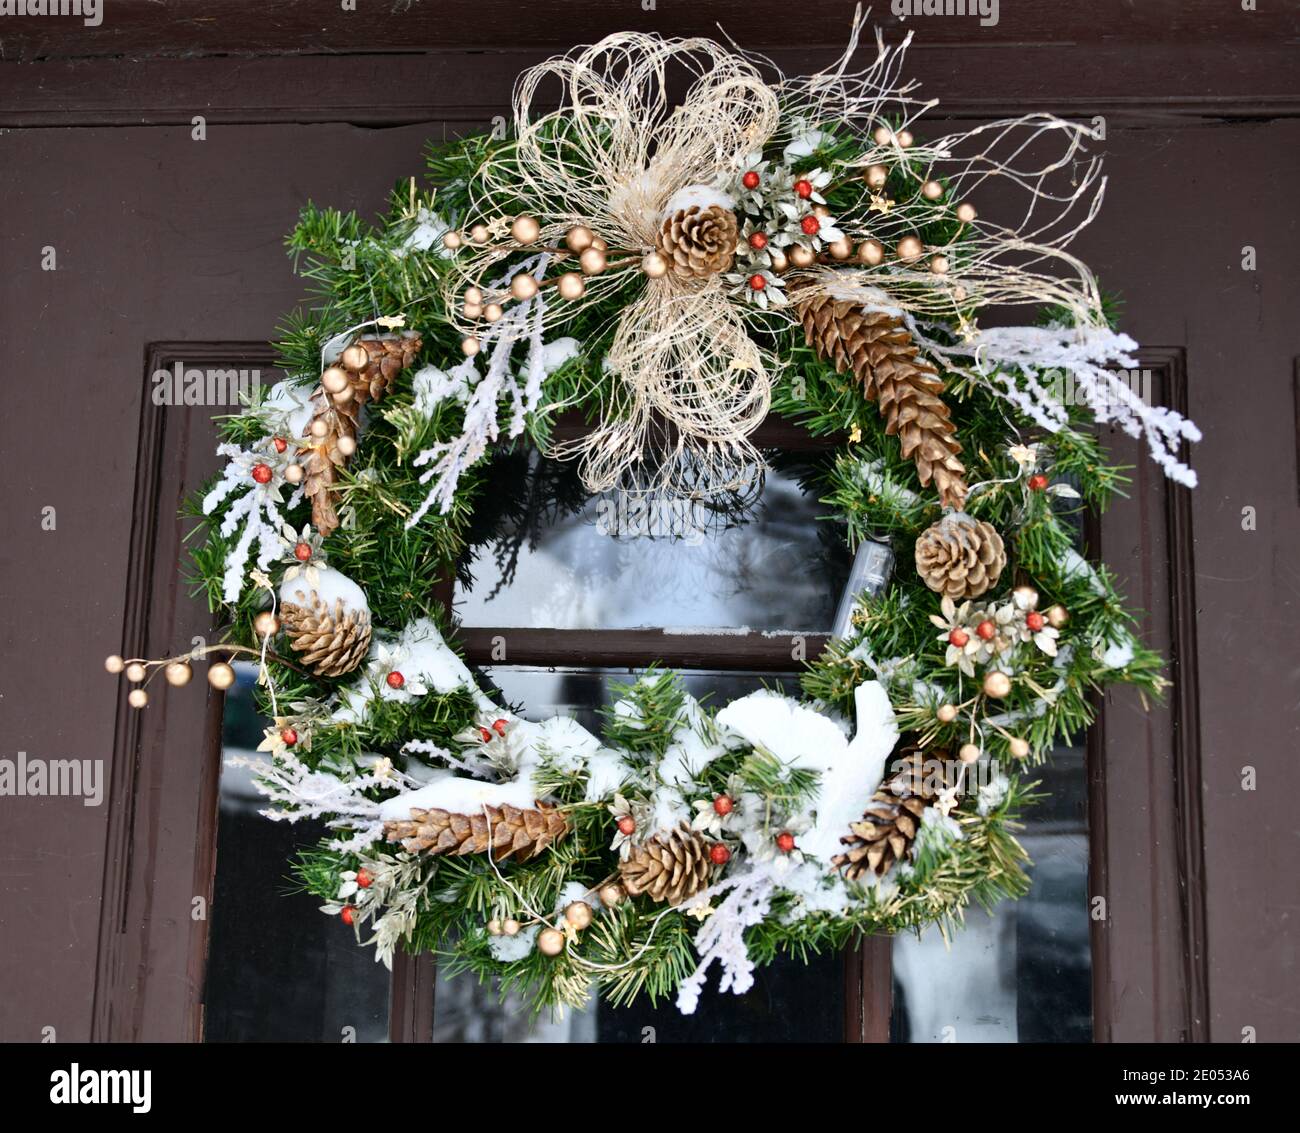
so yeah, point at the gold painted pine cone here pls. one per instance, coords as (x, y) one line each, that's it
(671, 867)
(387, 355)
(699, 242)
(960, 557)
(332, 642)
(510, 831)
(888, 827)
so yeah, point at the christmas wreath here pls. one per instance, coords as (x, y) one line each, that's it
(678, 271)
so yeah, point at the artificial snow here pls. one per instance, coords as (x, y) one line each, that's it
(329, 587)
(458, 795)
(506, 949)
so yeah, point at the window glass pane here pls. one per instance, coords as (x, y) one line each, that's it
(1023, 973)
(278, 970)
(790, 1002)
(565, 561)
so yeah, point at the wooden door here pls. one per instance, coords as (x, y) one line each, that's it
(135, 235)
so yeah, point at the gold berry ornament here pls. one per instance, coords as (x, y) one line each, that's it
(871, 252)
(294, 474)
(523, 286)
(266, 624)
(1057, 616)
(932, 190)
(220, 675)
(137, 698)
(969, 753)
(802, 256)
(996, 684)
(579, 238)
(469, 346)
(335, 380)
(355, 357)
(966, 212)
(939, 265)
(578, 914)
(550, 942)
(451, 240)
(178, 674)
(113, 663)
(904, 139)
(479, 234)
(592, 261)
(841, 249)
(570, 285)
(876, 176)
(135, 672)
(612, 895)
(494, 927)
(1018, 747)
(510, 926)
(910, 248)
(946, 713)
(655, 265)
(525, 230)
(492, 312)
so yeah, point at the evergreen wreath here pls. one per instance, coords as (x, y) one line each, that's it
(766, 245)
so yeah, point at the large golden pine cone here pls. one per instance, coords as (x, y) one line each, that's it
(506, 830)
(699, 242)
(960, 557)
(889, 825)
(671, 866)
(332, 641)
(386, 355)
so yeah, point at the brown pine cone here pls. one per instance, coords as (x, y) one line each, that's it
(892, 818)
(332, 641)
(373, 361)
(960, 557)
(506, 830)
(699, 242)
(671, 867)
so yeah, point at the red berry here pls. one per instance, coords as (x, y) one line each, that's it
(987, 630)
(262, 473)
(1035, 621)
(810, 225)
(758, 240)
(785, 841)
(1037, 482)
(499, 726)
(719, 854)
(626, 824)
(803, 188)
(757, 282)
(288, 737)
(364, 880)
(750, 180)
(302, 552)
(723, 804)
(280, 444)
(395, 679)
(484, 734)
(346, 915)
(958, 637)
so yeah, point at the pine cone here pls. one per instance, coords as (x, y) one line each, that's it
(878, 349)
(892, 818)
(671, 867)
(960, 557)
(699, 242)
(511, 832)
(322, 459)
(332, 642)
(386, 355)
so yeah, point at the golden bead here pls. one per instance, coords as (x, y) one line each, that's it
(469, 346)
(592, 261)
(611, 895)
(346, 446)
(319, 429)
(1057, 616)
(114, 664)
(655, 266)
(494, 927)
(1017, 747)
(802, 256)
(932, 190)
(578, 914)
(510, 926)
(550, 942)
(220, 675)
(966, 212)
(910, 248)
(355, 357)
(780, 261)
(904, 139)
(996, 684)
(135, 672)
(492, 312)
(599, 244)
(344, 395)
(882, 135)
(137, 698)
(875, 176)
(266, 624)
(579, 238)
(969, 753)
(525, 230)
(939, 265)
(523, 286)
(473, 295)
(293, 474)
(178, 674)
(451, 240)
(959, 293)
(479, 234)
(471, 310)
(946, 713)
(335, 379)
(841, 249)
(571, 285)
(871, 252)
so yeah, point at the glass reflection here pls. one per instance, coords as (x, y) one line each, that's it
(278, 970)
